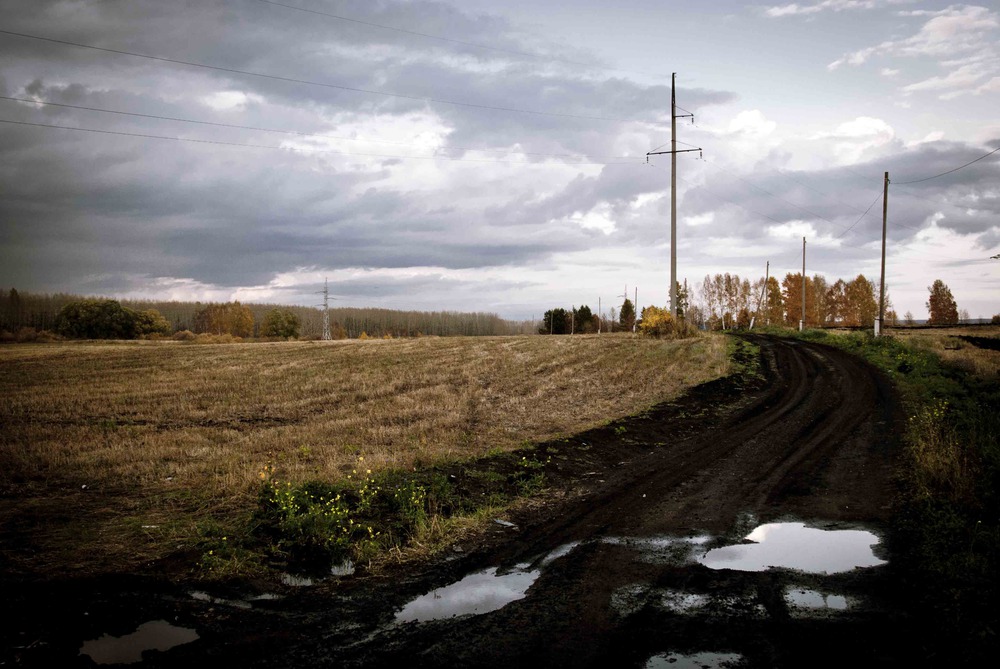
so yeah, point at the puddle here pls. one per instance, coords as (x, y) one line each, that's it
(297, 581)
(562, 551)
(795, 546)
(154, 635)
(477, 593)
(812, 599)
(676, 601)
(663, 549)
(346, 568)
(694, 661)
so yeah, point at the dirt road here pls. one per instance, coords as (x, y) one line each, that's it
(630, 561)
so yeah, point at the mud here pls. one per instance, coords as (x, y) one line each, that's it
(603, 572)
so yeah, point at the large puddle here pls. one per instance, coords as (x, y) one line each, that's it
(477, 593)
(795, 546)
(154, 635)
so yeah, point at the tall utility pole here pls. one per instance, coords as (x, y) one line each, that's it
(326, 310)
(881, 282)
(600, 316)
(635, 308)
(802, 323)
(673, 187)
(624, 299)
(767, 274)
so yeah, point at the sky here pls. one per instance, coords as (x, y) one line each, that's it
(474, 155)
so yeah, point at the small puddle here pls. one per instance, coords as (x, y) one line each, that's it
(477, 593)
(297, 581)
(676, 601)
(812, 599)
(154, 635)
(345, 568)
(482, 591)
(795, 546)
(694, 661)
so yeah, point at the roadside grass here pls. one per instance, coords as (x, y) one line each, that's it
(948, 521)
(116, 455)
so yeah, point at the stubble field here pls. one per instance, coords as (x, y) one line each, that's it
(114, 454)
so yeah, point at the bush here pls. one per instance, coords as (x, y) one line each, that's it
(657, 322)
(280, 323)
(184, 335)
(97, 319)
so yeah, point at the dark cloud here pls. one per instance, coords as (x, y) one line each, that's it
(99, 210)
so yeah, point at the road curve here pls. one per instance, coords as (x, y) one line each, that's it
(610, 573)
(813, 442)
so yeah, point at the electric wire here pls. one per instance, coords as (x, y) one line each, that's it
(476, 45)
(960, 167)
(288, 132)
(121, 133)
(770, 194)
(307, 82)
(877, 197)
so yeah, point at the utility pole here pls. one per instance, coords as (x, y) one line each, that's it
(881, 282)
(635, 308)
(600, 316)
(767, 274)
(572, 319)
(802, 323)
(625, 299)
(673, 187)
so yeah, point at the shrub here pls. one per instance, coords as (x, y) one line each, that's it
(97, 319)
(281, 323)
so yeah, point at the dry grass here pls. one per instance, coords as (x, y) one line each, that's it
(953, 350)
(123, 450)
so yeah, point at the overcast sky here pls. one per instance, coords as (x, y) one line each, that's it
(490, 156)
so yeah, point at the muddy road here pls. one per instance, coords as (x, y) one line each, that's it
(744, 524)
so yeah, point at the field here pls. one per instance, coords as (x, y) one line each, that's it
(949, 345)
(115, 454)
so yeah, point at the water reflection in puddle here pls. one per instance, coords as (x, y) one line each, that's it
(154, 635)
(694, 661)
(795, 546)
(477, 593)
(811, 599)
(481, 592)
(297, 581)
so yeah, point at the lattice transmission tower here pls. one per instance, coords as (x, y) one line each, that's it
(326, 310)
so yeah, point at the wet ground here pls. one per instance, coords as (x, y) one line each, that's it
(742, 525)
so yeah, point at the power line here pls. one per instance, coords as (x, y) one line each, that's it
(877, 197)
(285, 132)
(476, 45)
(960, 167)
(307, 82)
(770, 194)
(281, 148)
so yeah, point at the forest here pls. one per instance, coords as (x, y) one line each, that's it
(720, 302)
(39, 312)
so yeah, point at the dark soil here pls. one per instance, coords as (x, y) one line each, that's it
(811, 438)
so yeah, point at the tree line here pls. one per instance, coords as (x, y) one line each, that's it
(729, 301)
(39, 312)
